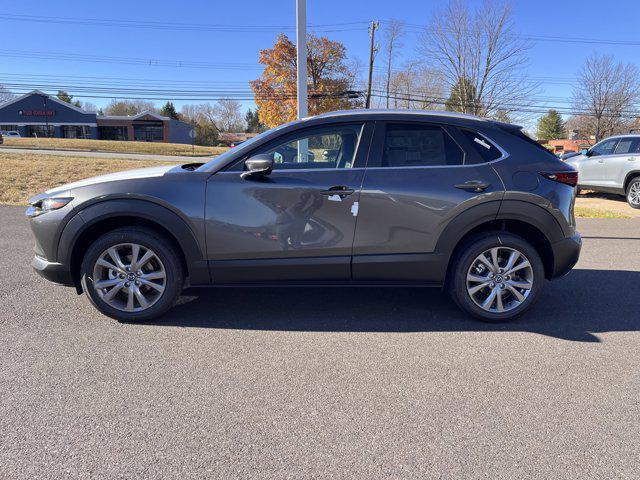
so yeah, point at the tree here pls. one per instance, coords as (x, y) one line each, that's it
(330, 80)
(65, 97)
(550, 126)
(5, 94)
(252, 120)
(479, 54)
(227, 116)
(128, 107)
(462, 94)
(415, 86)
(202, 118)
(89, 107)
(391, 36)
(605, 92)
(169, 110)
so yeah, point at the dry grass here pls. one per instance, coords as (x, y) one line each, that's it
(23, 175)
(156, 148)
(587, 212)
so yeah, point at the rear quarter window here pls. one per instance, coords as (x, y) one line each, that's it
(485, 148)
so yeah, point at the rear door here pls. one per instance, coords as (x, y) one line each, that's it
(298, 222)
(625, 157)
(419, 176)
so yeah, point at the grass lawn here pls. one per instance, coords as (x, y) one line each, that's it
(23, 175)
(156, 148)
(588, 212)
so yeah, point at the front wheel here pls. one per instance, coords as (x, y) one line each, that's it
(633, 193)
(496, 276)
(132, 274)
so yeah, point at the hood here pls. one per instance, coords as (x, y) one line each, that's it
(114, 177)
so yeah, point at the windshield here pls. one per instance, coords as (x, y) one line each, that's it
(219, 161)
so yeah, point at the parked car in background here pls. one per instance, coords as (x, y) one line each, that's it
(1, 139)
(611, 166)
(407, 198)
(10, 133)
(568, 154)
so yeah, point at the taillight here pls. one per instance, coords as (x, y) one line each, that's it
(568, 178)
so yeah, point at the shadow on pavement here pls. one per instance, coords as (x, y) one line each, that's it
(576, 307)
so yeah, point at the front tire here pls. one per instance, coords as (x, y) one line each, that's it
(132, 274)
(496, 276)
(633, 193)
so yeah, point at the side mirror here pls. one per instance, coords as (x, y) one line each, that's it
(585, 152)
(257, 166)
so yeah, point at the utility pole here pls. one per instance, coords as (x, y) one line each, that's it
(301, 57)
(372, 49)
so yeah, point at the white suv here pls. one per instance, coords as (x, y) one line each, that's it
(611, 166)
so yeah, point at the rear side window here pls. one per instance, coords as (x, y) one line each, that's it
(628, 145)
(412, 145)
(482, 146)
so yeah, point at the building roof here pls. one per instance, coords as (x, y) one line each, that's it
(53, 98)
(133, 117)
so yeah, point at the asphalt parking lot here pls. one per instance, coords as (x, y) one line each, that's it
(324, 382)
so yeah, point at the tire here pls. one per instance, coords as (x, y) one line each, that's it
(633, 192)
(508, 285)
(155, 285)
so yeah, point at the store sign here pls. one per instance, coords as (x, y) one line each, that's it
(37, 113)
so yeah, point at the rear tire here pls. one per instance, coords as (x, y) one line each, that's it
(633, 193)
(496, 276)
(129, 290)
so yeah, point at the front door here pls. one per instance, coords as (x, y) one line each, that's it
(297, 223)
(625, 157)
(418, 178)
(592, 168)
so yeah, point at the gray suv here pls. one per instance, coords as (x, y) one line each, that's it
(611, 166)
(405, 198)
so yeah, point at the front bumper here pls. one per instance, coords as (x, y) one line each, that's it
(54, 272)
(565, 255)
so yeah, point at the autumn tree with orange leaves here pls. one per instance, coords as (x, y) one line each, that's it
(329, 80)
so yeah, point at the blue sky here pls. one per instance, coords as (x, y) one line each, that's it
(254, 25)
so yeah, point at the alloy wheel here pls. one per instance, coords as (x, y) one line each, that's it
(634, 193)
(129, 277)
(499, 279)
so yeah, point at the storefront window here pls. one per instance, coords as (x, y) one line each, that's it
(40, 131)
(113, 133)
(75, 131)
(148, 133)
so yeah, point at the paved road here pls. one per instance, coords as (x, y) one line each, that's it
(129, 156)
(324, 383)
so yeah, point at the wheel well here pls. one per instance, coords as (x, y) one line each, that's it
(517, 227)
(98, 229)
(627, 181)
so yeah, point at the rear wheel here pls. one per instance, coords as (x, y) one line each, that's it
(132, 274)
(496, 276)
(633, 193)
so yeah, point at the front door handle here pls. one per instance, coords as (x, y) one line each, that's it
(339, 190)
(631, 159)
(473, 186)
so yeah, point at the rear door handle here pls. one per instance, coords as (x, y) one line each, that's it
(339, 190)
(473, 186)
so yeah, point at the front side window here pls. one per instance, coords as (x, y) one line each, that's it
(604, 148)
(326, 147)
(408, 145)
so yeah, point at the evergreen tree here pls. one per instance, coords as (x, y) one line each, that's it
(551, 126)
(169, 110)
(463, 98)
(253, 122)
(65, 97)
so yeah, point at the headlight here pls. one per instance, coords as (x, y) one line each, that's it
(47, 205)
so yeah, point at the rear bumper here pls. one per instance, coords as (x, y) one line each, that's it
(54, 272)
(565, 255)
